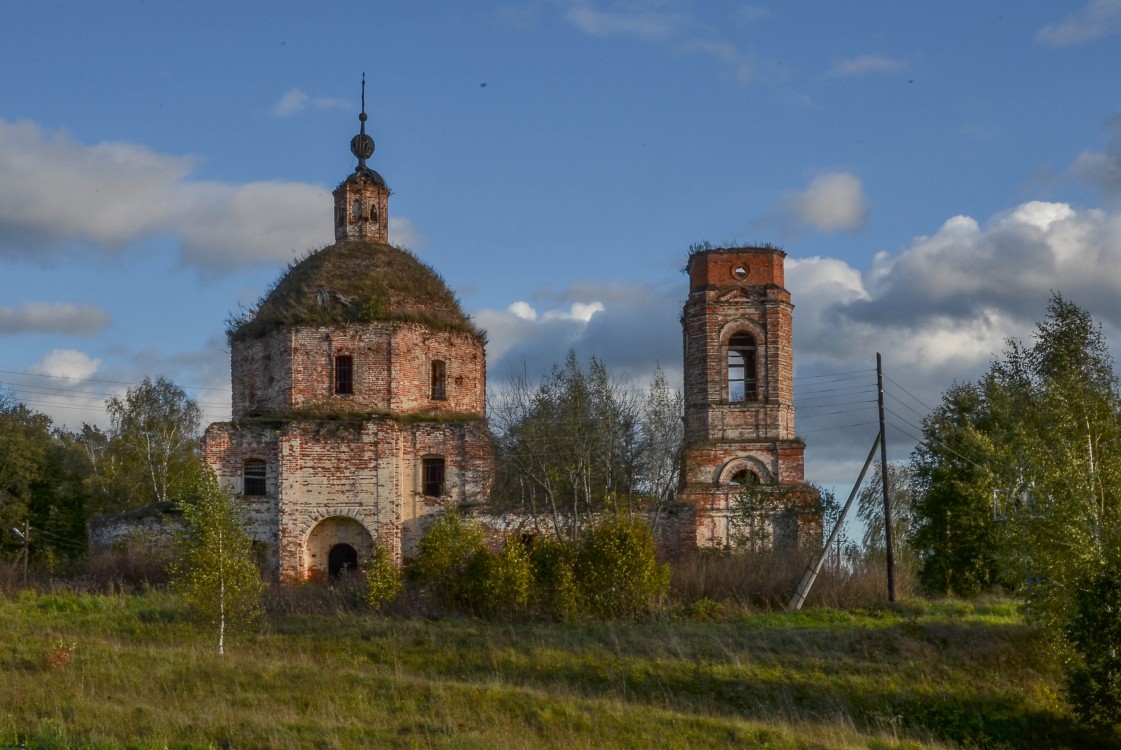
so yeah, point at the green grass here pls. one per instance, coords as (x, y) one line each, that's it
(925, 675)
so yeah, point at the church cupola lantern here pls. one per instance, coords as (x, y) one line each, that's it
(362, 199)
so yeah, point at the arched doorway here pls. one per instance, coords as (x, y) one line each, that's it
(342, 559)
(335, 544)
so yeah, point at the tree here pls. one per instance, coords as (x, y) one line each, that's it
(41, 483)
(570, 444)
(151, 451)
(955, 534)
(1022, 473)
(215, 571)
(582, 443)
(870, 509)
(1058, 413)
(24, 444)
(663, 433)
(1093, 681)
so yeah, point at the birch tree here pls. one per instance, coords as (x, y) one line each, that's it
(155, 428)
(215, 572)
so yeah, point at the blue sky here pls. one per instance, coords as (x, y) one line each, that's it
(934, 170)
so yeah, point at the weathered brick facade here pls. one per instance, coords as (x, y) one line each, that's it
(358, 399)
(739, 393)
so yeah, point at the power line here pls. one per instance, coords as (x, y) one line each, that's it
(905, 405)
(819, 415)
(92, 394)
(839, 427)
(96, 380)
(927, 406)
(833, 374)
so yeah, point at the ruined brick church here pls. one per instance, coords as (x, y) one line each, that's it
(358, 397)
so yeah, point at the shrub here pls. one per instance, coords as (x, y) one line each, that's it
(448, 546)
(617, 572)
(555, 592)
(383, 578)
(498, 584)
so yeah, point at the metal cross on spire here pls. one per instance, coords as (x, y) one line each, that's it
(362, 145)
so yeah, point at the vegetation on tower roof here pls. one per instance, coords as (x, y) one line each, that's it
(352, 282)
(705, 246)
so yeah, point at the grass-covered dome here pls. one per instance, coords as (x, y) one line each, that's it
(351, 282)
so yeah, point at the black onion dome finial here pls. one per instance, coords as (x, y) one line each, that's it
(362, 145)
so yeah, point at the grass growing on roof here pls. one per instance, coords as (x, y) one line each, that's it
(353, 282)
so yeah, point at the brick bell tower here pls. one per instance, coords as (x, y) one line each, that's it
(362, 199)
(739, 392)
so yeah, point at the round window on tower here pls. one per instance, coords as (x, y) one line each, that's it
(740, 273)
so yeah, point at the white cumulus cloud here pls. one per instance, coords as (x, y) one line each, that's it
(66, 363)
(831, 202)
(57, 194)
(522, 310)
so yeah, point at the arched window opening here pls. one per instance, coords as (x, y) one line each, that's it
(344, 374)
(742, 384)
(357, 210)
(374, 212)
(439, 380)
(342, 559)
(253, 477)
(432, 476)
(744, 478)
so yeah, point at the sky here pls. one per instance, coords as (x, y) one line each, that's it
(934, 172)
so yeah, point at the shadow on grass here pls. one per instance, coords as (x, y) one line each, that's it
(948, 681)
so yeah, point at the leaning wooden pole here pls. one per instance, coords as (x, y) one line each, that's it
(884, 483)
(818, 560)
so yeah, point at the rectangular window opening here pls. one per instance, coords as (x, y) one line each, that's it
(433, 476)
(439, 381)
(254, 478)
(344, 375)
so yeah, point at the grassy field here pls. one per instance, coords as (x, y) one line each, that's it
(94, 671)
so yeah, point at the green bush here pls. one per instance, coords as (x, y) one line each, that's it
(1094, 682)
(613, 573)
(617, 572)
(448, 547)
(383, 578)
(499, 584)
(555, 593)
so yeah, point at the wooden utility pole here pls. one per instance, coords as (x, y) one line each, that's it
(884, 481)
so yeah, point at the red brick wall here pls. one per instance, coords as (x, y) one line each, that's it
(294, 369)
